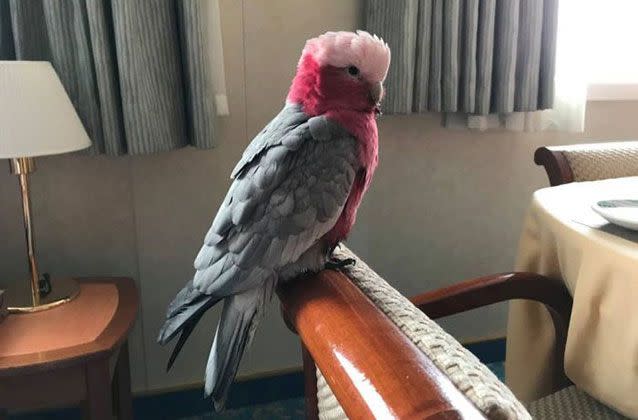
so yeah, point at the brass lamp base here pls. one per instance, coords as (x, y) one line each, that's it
(19, 297)
(39, 293)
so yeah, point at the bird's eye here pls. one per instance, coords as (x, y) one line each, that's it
(353, 71)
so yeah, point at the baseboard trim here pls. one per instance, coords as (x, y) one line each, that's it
(200, 384)
(246, 392)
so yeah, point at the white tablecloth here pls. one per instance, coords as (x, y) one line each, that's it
(563, 237)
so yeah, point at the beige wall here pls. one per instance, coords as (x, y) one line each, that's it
(445, 204)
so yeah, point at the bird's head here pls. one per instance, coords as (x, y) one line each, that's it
(341, 71)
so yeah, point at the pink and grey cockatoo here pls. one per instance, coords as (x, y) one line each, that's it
(294, 197)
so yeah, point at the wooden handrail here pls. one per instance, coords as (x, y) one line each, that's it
(373, 369)
(483, 291)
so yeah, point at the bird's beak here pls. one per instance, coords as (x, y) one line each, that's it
(376, 94)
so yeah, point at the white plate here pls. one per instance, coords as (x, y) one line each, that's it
(619, 212)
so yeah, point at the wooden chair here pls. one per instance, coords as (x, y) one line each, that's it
(369, 352)
(588, 162)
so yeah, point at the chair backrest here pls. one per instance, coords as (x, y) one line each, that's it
(588, 162)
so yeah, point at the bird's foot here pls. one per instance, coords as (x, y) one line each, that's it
(337, 264)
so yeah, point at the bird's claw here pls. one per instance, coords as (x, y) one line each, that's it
(337, 264)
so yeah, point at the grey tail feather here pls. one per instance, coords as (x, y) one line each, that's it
(185, 296)
(235, 330)
(183, 320)
(186, 332)
(175, 320)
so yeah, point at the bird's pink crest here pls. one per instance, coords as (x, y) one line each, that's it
(369, 53)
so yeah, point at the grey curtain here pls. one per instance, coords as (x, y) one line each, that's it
(469, 56)
(136, 70)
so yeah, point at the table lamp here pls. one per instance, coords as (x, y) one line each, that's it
(37, 118)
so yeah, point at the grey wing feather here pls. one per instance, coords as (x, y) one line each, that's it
(282, 129)
(296, 196)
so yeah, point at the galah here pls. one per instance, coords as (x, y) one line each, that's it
(293, 198)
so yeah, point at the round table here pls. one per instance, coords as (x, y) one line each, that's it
(74, 353)
(562, 237)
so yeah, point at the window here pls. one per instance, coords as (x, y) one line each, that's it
(612, 59)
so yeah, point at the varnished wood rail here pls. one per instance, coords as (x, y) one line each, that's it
(373, 369)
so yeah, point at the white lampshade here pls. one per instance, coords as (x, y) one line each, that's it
(36, 116)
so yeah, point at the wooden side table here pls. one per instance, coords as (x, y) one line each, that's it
(72, 354)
